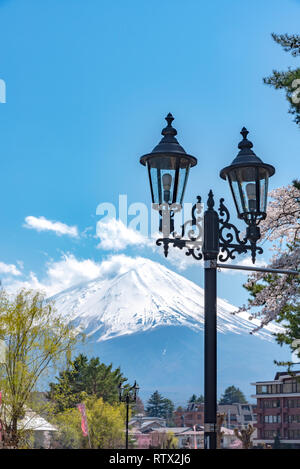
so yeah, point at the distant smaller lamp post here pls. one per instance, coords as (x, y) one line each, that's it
(128, 395)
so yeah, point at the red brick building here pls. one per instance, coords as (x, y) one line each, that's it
(236, 415)
(278, 409)
(194, 415)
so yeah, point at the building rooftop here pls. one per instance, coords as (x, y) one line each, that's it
(33, 421)
(285, 373)
(190, 430)
(227, 407)
(279, 377)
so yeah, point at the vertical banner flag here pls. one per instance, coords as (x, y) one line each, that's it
(84, 424)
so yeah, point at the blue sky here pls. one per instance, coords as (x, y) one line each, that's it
(88, 86)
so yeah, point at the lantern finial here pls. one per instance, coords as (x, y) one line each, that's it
(169, 130)
(169, 118)
(244, 132)
(245, 143)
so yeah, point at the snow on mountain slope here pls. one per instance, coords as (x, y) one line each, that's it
(147, 295)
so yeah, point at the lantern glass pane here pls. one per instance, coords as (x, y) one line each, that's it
(249, 187)
(162, 192)
(168, 177)
(235, 188)
(263, 183)
(182, 179)
(243, 183)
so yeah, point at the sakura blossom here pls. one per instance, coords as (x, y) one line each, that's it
(282, 228)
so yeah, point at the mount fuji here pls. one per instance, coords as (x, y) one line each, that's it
(149, 320)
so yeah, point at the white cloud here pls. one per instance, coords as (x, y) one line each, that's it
(60, 275)
(42, 224)
(118, 264)
(9, 269)
(70, 271)
(115, 236)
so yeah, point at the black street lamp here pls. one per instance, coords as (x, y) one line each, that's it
(248, 179)
(168, 168)
(128, 395)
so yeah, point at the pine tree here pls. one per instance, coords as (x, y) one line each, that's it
(168, 412)
(85, 378)
(232, 395)
(196, 400)
(200, 399)
(288, 80)
(192, 399)
(159, 406)
(155, 407)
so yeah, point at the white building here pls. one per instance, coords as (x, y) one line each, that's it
(41, 430)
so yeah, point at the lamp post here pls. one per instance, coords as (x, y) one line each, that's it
(168, 169)
(128, 395)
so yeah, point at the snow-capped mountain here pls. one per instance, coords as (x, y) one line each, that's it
(149, 320)
(144, 297)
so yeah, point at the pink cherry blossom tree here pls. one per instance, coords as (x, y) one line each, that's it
(276, 297)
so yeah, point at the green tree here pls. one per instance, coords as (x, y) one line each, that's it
(168, 411)
(192, 399)
(35, 338)
(85, 378)
(232, 395)
(196, 400)
(155, 405)
(159, 406)
(105, 425)
(288, 80)
(200, 399)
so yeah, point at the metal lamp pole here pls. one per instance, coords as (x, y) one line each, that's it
(210, 253)
(168, 167)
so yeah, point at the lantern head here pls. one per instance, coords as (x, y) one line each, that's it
(248, 179)
(168, 167)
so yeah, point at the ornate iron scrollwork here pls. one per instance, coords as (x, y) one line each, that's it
(191, 233)
(190, 239)
(230, 241)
